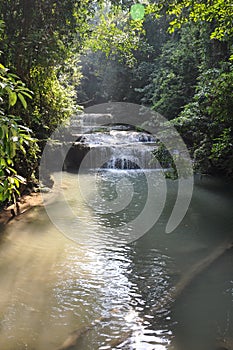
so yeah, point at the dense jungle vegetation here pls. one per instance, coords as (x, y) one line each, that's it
(57, 56)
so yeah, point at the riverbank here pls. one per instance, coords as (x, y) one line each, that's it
(25, 203)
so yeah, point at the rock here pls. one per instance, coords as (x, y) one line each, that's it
(45, 189)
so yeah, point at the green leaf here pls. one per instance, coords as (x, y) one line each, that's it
(12, 170)
(12, 98)
(25, 93)
(16, 182)
(22, 99)
(22, 149)
(20, 179)
(2, 133)
(25, 128)
(12, 75)
(2, 197)
(2, 162)
(9, 161)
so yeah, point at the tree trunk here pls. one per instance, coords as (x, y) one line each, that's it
(192, 273)
(169, 298)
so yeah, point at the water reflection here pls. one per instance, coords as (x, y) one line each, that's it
(51, 286)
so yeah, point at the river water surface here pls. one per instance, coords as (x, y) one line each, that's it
(52, 284)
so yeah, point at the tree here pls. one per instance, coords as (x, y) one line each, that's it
(206, 122)
(40, 42)
(173, 80)
(217, 12)
(116, 75)
(16, 140)
(206, 119)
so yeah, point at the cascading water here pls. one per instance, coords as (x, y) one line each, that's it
(111, 146)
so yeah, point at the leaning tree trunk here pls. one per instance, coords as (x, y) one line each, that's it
(191, 274)
(169, 298)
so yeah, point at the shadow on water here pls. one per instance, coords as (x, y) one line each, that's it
(51, 285)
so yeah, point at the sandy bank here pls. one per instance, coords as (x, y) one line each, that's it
(26, 203)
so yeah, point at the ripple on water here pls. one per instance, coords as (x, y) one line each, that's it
(51, 285)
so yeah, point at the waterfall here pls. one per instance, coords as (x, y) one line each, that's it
(110, 145)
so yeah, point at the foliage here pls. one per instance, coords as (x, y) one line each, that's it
(96, 50)
(184, 76)
(44, 30)
(172, 83)
(207, 121)
(116, 34)
(166, 161)
(106, 80)
(41, 43)
(218, 12)
(11, 85)
(111, 77)
(15, 138)
(53, 102)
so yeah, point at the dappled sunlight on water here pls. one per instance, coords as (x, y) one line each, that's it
(51, 286)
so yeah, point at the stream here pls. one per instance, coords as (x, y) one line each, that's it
(53, 283)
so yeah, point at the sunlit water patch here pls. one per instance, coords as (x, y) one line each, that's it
(51, 285)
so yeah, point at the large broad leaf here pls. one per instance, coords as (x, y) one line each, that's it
(12, 98)
(22, 99)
